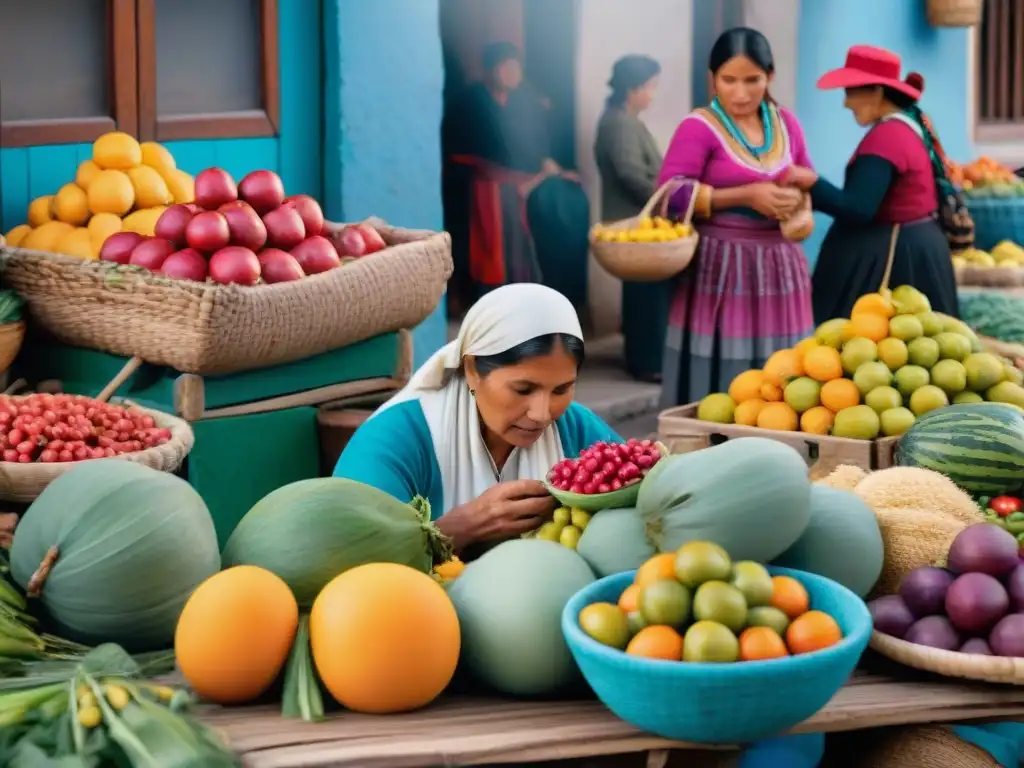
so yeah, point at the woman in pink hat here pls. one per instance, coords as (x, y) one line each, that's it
(896, 177)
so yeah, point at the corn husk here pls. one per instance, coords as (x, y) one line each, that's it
(313, 530)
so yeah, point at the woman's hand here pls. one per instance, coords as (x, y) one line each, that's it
(774, 201)
(504, 511)
(550, 168)
(800, 177)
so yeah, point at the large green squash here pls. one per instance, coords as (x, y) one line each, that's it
(131, 545)
(750, 495)
(509, 604)
(313, 530)
(842, 542)
(614, 541)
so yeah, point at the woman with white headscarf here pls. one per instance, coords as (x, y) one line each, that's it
(482, 422)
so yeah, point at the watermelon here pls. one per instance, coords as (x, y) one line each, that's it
(979, 446)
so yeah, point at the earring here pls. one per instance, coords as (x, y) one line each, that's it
(472, 392)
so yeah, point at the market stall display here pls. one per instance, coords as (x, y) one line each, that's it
(995, 198)
(1003, 267)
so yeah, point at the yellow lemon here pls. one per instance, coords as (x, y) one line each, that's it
(102, 226)
(15, 237)
(150, 188)
(179, 184)
(75, 243)
(111, 192)
(71, 205)
(39, 210)
(43, 237)
(87, 171)
(157, 156)
(116, 150)
(143, 221)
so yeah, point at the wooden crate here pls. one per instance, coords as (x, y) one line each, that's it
(681, 432)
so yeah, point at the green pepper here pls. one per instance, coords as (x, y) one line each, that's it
(1015, 523)
(1015, 517)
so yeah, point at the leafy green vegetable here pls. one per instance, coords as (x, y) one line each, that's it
(302, 697)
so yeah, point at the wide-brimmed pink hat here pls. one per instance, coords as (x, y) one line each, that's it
(867, 65)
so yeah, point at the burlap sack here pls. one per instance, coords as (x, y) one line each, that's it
(918, 746)
(912, 538)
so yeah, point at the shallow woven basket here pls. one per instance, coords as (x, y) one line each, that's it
(205, 328)
(970, 666)
(991, 277)
(24, 482)
(955, 13)
(11, 337)
(648, 262)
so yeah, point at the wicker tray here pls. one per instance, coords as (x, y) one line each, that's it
(205, 328)
(24, 482)
(990, 277)
(969, 666)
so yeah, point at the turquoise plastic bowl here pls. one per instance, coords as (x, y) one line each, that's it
(720, 703)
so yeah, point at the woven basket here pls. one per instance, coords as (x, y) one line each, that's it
(990, 277)
(970, 666)
(648, 262)
(24, 482)
(996, 219)
(955, 13)
(911, 746)
(11, 337)
(206, 329)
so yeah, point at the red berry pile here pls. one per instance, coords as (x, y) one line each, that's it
(605, 467)
(59, 428)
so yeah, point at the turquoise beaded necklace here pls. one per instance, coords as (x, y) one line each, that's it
(737, 134)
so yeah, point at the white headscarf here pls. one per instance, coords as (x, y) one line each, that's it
(502, 319)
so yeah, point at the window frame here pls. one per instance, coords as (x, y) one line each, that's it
(985, 70)
(131, 76)
(121, 75)
(262, 122)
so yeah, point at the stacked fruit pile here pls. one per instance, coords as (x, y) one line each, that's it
(125, 186)
(873, 374)
(566, 526)
(697, 605)
(986, 177)
(647, 230)
(1004, 254)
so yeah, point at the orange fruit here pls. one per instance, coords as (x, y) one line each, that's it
(757, 643)
(817, 420)
(838, 394)
(811, 632)
(771, 393)
(657, 642)
(789, 596)
(629, 600)
(747, 412)
(659, 567)
(746, 386)
(823, 364)
(874, 304)
(779, 416)
(869, 325)
(784, 365)
(806, 346)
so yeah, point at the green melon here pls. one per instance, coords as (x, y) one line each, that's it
(842, 541)
(749, 495)
(614, 541)
(132, 544)
(979, 446)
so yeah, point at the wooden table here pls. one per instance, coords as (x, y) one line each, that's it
(476, 731)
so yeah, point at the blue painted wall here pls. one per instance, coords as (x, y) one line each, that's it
(384, 77)
(27, 173)
(827, 29)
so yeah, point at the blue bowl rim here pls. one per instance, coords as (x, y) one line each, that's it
(859, 637)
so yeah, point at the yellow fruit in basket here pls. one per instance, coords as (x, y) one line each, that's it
(111, 192)
(858, 422)
(771, 393)
(839, 394)
(869, 326)
(950, 376)
(660, 223)
(150, 188)
(823, 364)
(802, 394)
(927, 398)
(17, 235)
(746, 386)
(931, 323)
(893, 352)
(143, 221)
(116, 150)
(984, 370)
(180, 185)
(778, 416)
(102, 226)
(76, 243)
(645, 222)
(907, 299)
(783, 366)
(816, 420)
(1009, 392)
(683, 230)
(157, 156)
(856, 352)
(87, 171)
(71, 204)
(875, 304)
(43, 237)
(39, 211)
(923, 352)
(717, 407)
(747, 412)
(830, 333)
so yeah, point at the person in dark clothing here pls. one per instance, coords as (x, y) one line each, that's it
(896, 177)
(514, 214)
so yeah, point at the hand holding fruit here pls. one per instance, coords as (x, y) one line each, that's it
(801, 178)
(774, 201)
(503, 511)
